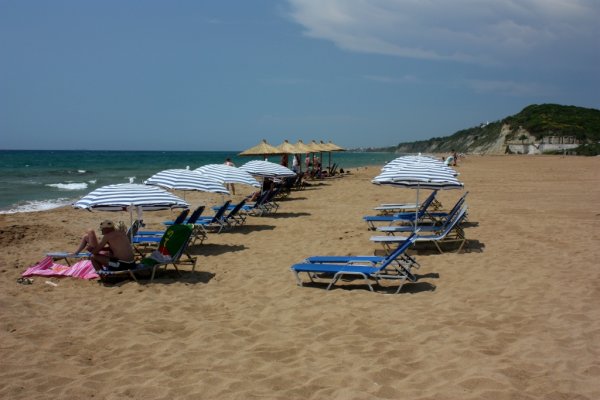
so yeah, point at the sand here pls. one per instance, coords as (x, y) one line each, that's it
(516, 316)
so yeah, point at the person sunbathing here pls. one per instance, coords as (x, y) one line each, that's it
(113, 252)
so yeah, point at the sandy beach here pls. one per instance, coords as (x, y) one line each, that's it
(515, 316)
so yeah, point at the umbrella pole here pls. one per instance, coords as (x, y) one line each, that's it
(130, 222)
(417, 209)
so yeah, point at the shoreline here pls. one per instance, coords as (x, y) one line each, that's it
(41, 180)
(515, 316)
(47, 204)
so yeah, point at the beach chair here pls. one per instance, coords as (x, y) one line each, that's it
(365, 269)
(144, 241)
(393, 208)
(191, 220)
(149, 238)
(229, 219)
(234, 216)
(450, 232)
(253, 208)
(172, 246)
(402, 261)
(259, 207)
(214, 223)
(409, 217)
(179, 220)
(269, 203)
(438, 219)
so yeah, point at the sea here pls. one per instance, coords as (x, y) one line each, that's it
(36, 180)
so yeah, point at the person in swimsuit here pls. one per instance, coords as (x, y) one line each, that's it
(113, 252)
(230, 186)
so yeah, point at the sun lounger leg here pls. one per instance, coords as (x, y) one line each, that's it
(298, 280)
(333, 281)
(132, 275)
(462, 243)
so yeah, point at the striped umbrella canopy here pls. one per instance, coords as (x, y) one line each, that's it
(417, 160)
(119, 197)
(420, 180)
(267, 169)
(185, 179)
(227, 174)
(419, 175)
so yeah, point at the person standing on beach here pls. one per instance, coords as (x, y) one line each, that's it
(296, 164)
(113, 252)
(230, 186)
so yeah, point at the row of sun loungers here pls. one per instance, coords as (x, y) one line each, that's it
(424, 224)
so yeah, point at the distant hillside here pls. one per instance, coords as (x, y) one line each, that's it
(534, 124)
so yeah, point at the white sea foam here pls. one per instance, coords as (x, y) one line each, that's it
(131, 179)
(93, 181)
(69, 186)
(81, 171)
(37, 205)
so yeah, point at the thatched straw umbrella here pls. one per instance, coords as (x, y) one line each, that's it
(262, 149)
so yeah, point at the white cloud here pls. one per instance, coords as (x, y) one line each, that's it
(483, 31)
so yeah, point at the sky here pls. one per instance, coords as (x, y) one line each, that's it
(223, 75)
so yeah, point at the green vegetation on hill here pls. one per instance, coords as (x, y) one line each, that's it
(556, 120)
(539, 120)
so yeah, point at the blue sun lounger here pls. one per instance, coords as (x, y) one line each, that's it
(215, 223)
(181, 218)
(424, 216)
(194, 216)
(372, 220)
(403, 261)
(451, 231)
(377, 271)
(436, 226)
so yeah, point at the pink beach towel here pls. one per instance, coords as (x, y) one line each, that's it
(82, 269)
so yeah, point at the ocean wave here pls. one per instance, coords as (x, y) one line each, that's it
(81, 171)
(37, 205)
(69, 186)
(132, 179)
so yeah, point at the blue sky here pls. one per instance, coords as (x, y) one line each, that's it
(222, 75)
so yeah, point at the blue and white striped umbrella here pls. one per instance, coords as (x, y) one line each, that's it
(418, 172)
(419, 161)
(227, 174)
(185, 179)
(427, 178)
(121, 196)
(267, 169)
